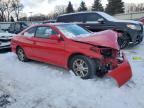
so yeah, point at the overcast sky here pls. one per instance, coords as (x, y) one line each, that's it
(47, 6)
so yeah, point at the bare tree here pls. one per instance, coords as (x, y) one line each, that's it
(17, 8)
(9, 8)
(131, 7)
(2, 10)
(60, 9)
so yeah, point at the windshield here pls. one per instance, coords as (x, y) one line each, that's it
(72, 30)
(107, 16)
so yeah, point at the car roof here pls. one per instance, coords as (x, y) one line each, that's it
(52, 24)
(79, 13)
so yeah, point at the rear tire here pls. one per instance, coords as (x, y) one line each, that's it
(21, 55)
(83, 66)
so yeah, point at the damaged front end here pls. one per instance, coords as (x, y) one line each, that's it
(114, 64)
(110, 62)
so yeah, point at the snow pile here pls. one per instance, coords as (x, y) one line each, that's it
(39, 85)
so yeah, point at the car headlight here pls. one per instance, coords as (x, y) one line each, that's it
(134, 27)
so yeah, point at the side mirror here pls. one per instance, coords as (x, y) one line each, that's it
(55, 37)
(101, 20)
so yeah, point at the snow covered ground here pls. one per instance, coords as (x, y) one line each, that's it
(40, 85)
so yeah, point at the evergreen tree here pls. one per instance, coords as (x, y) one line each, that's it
(82, 7)
(115, 7)
(69, 8)
(97, 6)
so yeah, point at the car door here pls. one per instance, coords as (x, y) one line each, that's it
(26, 41)
(46, 49)
(91, 22)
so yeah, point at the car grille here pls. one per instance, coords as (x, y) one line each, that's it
(107, 52)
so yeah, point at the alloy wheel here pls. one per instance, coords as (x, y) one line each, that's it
(80, 67)
(21, 54)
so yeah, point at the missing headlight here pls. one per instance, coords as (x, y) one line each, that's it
(107, 52)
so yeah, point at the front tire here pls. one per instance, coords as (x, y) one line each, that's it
(21, 55)
(83, 66)
(123, 41)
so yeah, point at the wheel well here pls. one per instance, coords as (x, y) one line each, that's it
(127, 34)
(17, 48)
(75, 54)
(129, 37)
(71, 56)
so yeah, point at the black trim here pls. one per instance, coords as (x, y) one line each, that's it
(5, 47)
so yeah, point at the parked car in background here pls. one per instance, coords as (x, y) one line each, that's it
(72, 47)
(141, 20)
(130, 31)
(17, 27)
(5, 39)
(5, 25)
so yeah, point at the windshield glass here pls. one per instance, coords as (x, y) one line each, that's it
(72, 30)
(107, 16)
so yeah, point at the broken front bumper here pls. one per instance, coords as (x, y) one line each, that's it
(122, 73)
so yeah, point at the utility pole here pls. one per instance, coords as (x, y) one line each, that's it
(30, 16)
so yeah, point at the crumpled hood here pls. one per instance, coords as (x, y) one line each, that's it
(107, 38)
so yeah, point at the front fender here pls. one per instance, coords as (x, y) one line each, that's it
(90, 54)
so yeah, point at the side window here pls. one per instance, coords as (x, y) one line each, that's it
(66, 18)
(30, 32)
(44, 32)
(78, 18)
(92, 17)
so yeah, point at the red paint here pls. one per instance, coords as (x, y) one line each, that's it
(58, 52)
(122, 73)
(142, 20)
(106, 38)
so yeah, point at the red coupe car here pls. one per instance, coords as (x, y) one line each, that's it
(69, 46)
